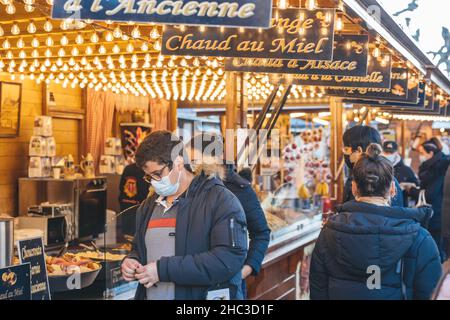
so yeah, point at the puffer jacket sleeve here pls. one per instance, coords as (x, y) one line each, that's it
(428, 269)
(258, 229)
(318, 275)
(228, 247)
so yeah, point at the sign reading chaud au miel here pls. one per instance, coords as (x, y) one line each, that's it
(294, 34)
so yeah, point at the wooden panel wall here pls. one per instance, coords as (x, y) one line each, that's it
(14, 151)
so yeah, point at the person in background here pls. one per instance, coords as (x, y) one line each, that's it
(133, 189)
(356, 140)
(191, 235)
(403, 173)
(432, 171)
(371, 251)
(207, 150)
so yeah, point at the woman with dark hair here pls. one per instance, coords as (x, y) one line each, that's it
(432, 173)
(356, 140)
(370, 250)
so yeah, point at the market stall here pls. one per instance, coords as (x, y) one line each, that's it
(81, 86)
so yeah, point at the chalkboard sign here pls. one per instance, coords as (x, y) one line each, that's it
(15, 282)
(294, 34)
(32, 251)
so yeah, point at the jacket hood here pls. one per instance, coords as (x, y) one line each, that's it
(362, 235)
(211, 170)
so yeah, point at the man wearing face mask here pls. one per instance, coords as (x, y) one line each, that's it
(404, 174)
(191, 237)
(356, 140)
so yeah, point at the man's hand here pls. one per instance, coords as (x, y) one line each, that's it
(147, 275)
(246, 271)
(129, 267)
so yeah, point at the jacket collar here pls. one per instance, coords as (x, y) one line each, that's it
(429, 163)
(354, 206)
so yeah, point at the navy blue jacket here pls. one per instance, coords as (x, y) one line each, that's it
(432, 175)
(403, 173)
(363, 235)
(397, 201)
(258, 230)
(210, 241)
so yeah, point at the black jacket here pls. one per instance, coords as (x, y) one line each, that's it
(210, 241)
(432, 175)
(258, 230)
(363, 235)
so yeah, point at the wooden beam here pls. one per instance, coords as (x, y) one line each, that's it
(173, 120)
(336, 161)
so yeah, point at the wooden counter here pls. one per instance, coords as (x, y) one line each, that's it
(285, 270)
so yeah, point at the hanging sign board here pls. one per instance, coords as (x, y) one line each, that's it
(350, 58)
(294, 34)
(237, 13)
(378, 76)
(15, 282)
(32, 251)
(399, 90)
(421, 102)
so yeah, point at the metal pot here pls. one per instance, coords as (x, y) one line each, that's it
(6, 241)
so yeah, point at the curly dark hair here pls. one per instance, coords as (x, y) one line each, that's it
(373, 173)
(161, 147)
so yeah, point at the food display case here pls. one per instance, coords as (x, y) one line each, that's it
(292, 197)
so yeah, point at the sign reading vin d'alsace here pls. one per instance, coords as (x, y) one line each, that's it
(294, 34)
(399, 90)
(237, 13)
(378, 76)
(350, 58)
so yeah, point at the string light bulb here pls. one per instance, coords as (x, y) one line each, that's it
(10, 9)
(310, 4)
(35, 43)
(94, 37)
(282, 4)
(64, 40)
(135, 33)
(117, 33)
(339, 24)
(31, 28)
(20, 43)
(48, 27)
(2, 32)
(49, 41)
(15, 30)
(79, 39)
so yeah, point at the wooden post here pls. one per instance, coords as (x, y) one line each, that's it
(403, 138)
(336, 108)
(173, 119)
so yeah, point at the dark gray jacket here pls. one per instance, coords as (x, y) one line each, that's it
(210, 241)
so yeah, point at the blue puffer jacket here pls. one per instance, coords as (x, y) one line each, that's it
(363, 235)
(258, 230)
(210, 241)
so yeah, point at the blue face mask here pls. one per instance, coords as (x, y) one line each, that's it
(166, 188)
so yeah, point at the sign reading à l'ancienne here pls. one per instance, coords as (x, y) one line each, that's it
(293, 34)
(378, 76)
(349, 58)
(237, 13)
